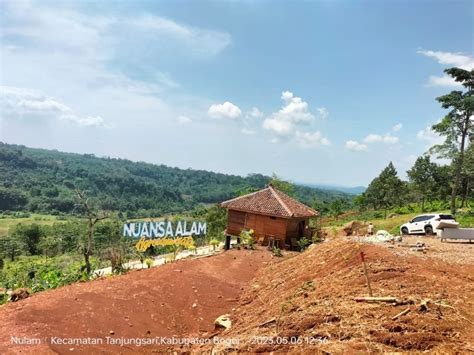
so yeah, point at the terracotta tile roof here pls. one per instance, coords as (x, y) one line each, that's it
(272, 202)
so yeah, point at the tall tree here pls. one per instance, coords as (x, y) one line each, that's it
(93, 217)
(385, 190)
(456, 126)
(421, 177)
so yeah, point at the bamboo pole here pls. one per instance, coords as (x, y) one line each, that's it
(362, 257)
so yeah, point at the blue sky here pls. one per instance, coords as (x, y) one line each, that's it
(317, 92)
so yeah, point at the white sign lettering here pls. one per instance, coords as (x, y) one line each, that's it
(164, 229)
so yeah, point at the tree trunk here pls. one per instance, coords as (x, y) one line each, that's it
(457, 176)
(465, 189)
(423, 204)
(88, 263)
(88, 251)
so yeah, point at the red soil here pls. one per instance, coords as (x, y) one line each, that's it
(310, 308)
(181, 299)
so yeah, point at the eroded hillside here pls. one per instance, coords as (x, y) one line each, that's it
(306, 303)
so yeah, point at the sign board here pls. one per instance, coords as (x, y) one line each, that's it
(164, 233)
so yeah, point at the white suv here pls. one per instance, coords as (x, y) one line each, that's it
(425, 223)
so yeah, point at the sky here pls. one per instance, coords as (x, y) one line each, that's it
(320, 92)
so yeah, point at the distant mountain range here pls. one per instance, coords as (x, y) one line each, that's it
(40, 180)
(356, 190)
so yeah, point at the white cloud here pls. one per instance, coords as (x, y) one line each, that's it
(82, 64)
(451, 59)
(309, 140)
(376, 138)
(254, 112)
(225, 110)
(274, 140)
(25, 103)
(443, 81)
(397, 127)
(294, 112)
(428, 135)
(206, 42)
(448, 59)
(322, 112)
(183, 119)
(248, 131)
(280, 127)
(356, 146)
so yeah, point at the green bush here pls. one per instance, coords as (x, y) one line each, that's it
(247, 238)
(214, 242)
(149, 263)
(3, 298)
(277, 252)
(303, 243)
(38, 273)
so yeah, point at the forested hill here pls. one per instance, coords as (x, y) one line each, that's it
(39, 180)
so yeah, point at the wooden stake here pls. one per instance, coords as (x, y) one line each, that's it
(365, 272)
(376, 299)
(402, 313)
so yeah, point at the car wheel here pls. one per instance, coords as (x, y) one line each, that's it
(429, 230)
(404, 230)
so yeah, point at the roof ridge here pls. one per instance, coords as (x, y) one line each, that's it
(287, 209)
(246, 195)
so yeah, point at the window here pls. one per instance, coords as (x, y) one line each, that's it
(421, 218)
(446, 216)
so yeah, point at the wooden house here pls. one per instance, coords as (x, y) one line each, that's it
(274, 216)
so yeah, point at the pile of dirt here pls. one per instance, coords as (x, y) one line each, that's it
(179, 300)
(305, 303)
(355, 228)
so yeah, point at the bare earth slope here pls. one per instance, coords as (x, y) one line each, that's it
(308, 299)
(181, 299)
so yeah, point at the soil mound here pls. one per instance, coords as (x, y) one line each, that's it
(305, 303)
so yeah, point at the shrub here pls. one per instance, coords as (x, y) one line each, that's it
(378, 215)
(316, 238)
(277, 252)
(246, 237)
(214, 242)
(303, 243)
(3, 298)
(149, 263)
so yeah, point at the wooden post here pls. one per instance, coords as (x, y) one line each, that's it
(365, 272)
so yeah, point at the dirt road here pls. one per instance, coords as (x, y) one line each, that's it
(177, 300)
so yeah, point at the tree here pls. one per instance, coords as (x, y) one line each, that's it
(467, 172)
(360, 201)
(336, 208)
(11, 247)
(421, 177)
(442, 176)
(282, 185)
(216, 218)
(456, 126)
(93, 217)
(386, 190)
(12, 199)
(50, 245)
(30, 236)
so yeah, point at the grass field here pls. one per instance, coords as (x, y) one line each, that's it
(7, 222)
(392, 224)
